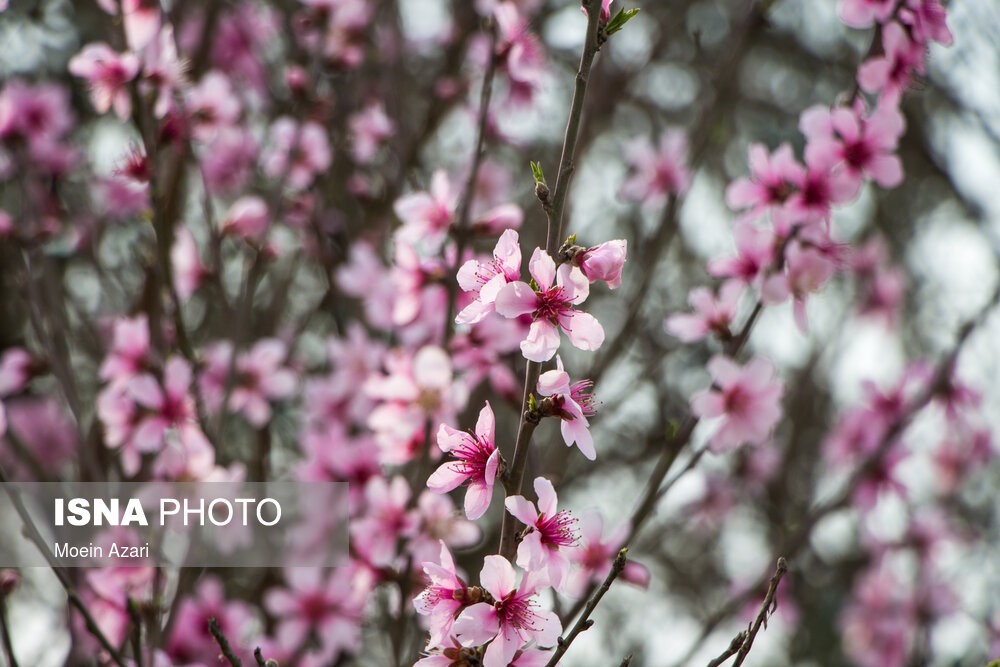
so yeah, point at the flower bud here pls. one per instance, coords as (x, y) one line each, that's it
(603, 262)
(9, 581)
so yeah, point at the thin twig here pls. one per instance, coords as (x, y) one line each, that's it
(591, 46)
(223, 642)
(465, 206)
(135, 632)
(8, 647)
(766, 609)
(554, 211)
(585, 621)
(259, 657)
(626, 661)
(32, 533)
(733, 649)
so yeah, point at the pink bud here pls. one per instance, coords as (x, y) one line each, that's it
(9, 581)
(247, 218)
(604, 262)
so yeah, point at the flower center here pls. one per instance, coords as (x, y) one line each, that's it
(857, 154)
(516, 612)
(558, 530)
(552, 304)
(472, 456)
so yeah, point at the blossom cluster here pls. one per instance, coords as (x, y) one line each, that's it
(276, 277)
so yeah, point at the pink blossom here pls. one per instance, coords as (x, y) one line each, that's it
(248, 218)
(880, 479)
(427, 215)
(747, 397)
(572, 403)
(188, 270)
(190, 640)
(713, 313)
(817, 189)
(386, 519)
(520, 55)
(603, 262)
(862, 145)
(16, 369)
(369, 127)
(808, 269)
(656, 173)
(863, 13)
(485, 279)
(878, 622)
(445, 595)
(228, 160)
(754, 254)
(44, 428)
(478, 353)
(551, 308)
(511, 621)
(364, 276)
(39, 114)
(163, 72)
(212, 105)
(772, 181)
(438, 520)
(889, 74)
(475, 464)
(326, 603)
(594, 555)
(260, 377)
(169, 404)
(129, 353)
(416, 388)
(926, 19)
(108, 74)
(296, 153)
(551, 533)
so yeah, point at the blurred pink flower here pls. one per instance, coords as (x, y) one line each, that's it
(108, 74)
(594, 556)
(247, 218)
(713, 313)
(748, 398)
(369, 127)
(773, 178)
(888, 75)
(416, 389)
(862, 14)
(190, 640)
(296, 153)
(327, 603)
(656, 173)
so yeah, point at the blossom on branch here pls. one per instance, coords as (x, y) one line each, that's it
(551, 308)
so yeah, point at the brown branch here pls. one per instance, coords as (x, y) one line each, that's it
(8, 647)
(464, 212)
(554, 211)
(32, 533)
(223, 642)
(585, 621)
(766, 609)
